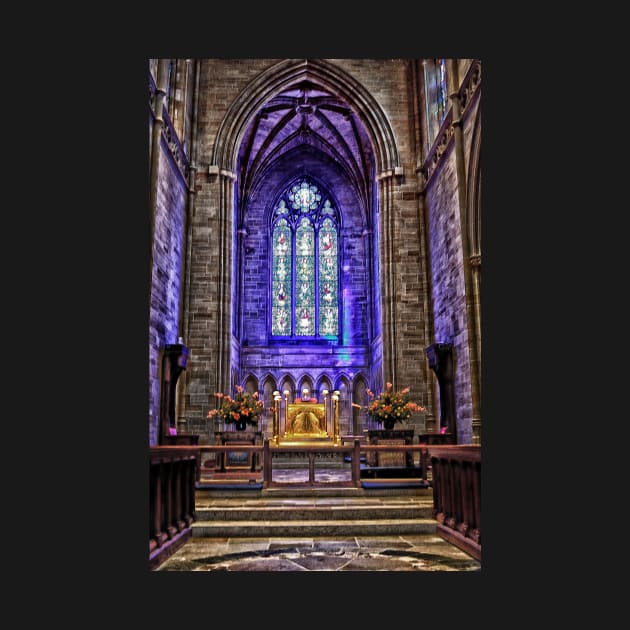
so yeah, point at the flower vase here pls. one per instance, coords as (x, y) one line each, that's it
(241, 425)
(389, 423)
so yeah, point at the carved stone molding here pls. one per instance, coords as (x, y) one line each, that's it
(470, 85)
(439, 147)
(466, 94)
(177, 151)
(152, 91)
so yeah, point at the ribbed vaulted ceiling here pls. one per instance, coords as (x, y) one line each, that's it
(306, 115)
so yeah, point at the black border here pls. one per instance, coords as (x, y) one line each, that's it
(113, 391)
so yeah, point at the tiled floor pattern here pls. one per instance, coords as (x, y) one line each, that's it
(411, 552)
(408, 552)
(352, 553)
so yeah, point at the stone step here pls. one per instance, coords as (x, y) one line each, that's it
(254, 529)
(372, 488)
(298, 512)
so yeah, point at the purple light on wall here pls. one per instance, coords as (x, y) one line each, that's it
(348, 306)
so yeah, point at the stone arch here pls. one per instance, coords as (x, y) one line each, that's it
(323, 382)
(268, 388)
(289, 72)
(305, 381)
(287, 383)
(250, 384)
(224, 162)
(360, 397)
(342, 384)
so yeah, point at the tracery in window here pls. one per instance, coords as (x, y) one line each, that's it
(305, 265)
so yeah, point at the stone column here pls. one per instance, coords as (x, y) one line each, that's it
(473, 363)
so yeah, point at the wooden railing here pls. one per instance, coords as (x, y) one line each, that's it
(455, 478)
(171, 499)
(354, 451)
(456, 481)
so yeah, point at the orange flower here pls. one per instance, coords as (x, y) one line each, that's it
(390, 405)
(244, 406)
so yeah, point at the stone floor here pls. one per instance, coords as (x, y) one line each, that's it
(353, 553)
(394, 552)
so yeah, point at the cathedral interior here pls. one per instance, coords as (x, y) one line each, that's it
(315, 229)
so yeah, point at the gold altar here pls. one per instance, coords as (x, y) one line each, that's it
(305, 422)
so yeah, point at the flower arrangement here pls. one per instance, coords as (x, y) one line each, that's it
(389, 406)
(244, 407)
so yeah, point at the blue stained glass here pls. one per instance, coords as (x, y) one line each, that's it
(304, 197)
(327, 208)
(305, 279)
(328, 284)
(304, 265)
(281, 280)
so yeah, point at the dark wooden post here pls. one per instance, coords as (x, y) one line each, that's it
(266, 463)
(171, 530)
(311, 467)
(179, 489)
(158, 535)
(424, 466)
(356, 464)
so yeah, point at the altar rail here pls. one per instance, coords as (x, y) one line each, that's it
(456, 481)
(267, 449)
(171, 499)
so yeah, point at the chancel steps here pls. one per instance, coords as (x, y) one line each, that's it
(316, 516)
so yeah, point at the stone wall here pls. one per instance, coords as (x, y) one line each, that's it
(167, 275)
(217, 269)
(447, 273)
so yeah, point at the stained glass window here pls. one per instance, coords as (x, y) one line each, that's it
(440, 68)
(436, 96)
(305, 265)
(281, 279)
(328, 278)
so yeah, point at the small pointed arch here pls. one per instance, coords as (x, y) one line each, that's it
(342, 385)
(306, 382)
(323, 382)
(269, 383)
(250, 384)
(360, 397)
(288, 384)
(269, 386)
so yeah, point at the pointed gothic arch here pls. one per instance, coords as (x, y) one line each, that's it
(382, 185)
(286, 73)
